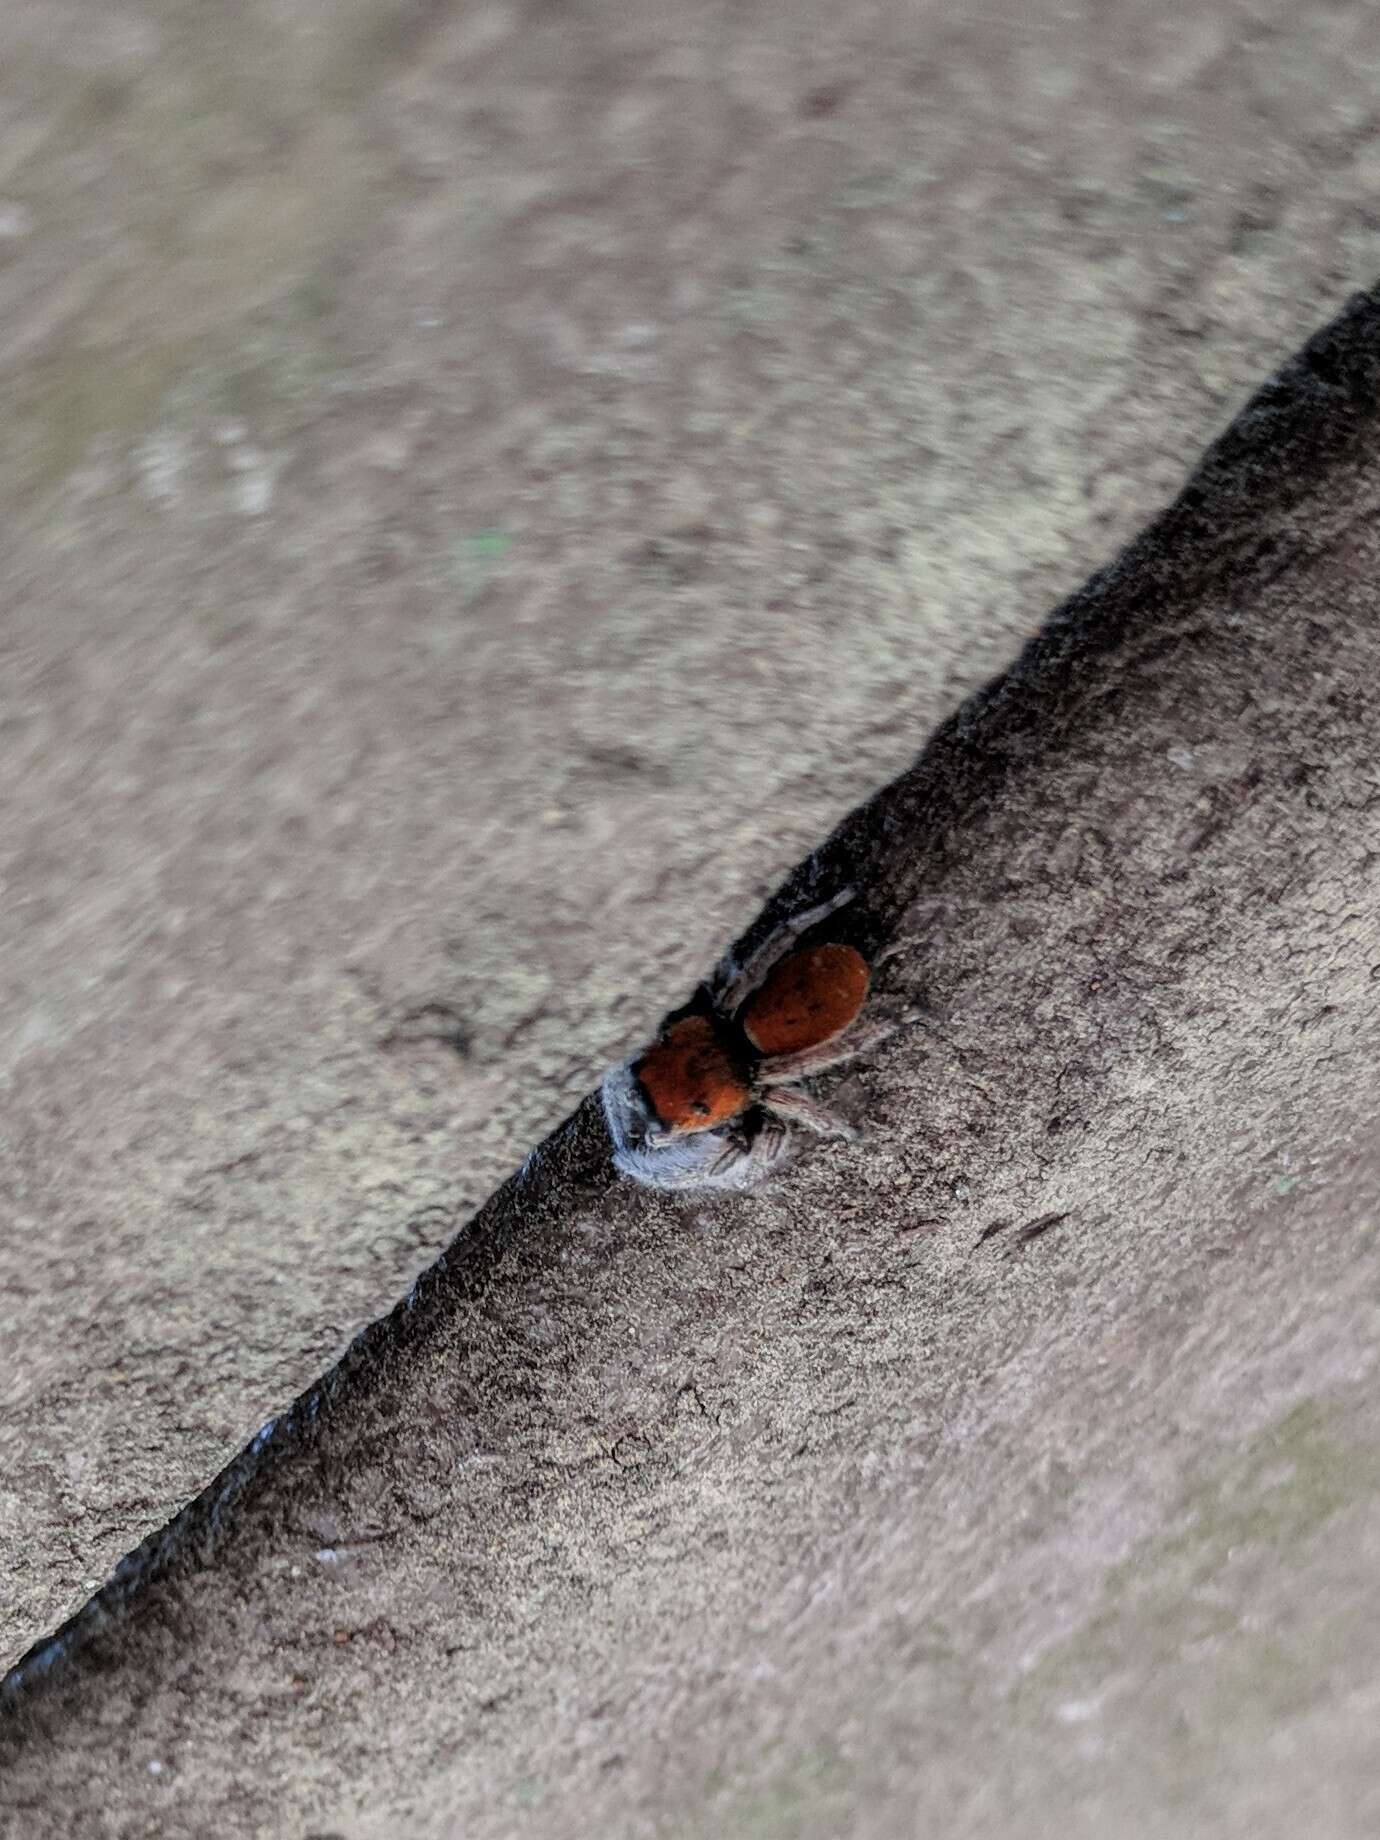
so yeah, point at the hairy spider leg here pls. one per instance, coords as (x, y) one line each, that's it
(780, 1069)
(742, 980)
(745, 1164)
(797, 1107)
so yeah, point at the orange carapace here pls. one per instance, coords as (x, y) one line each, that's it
(691, 1078)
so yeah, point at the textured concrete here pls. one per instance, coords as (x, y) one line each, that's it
(485, 488)
(1015, 1471)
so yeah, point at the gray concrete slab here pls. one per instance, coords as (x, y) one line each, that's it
(485, 488)
(1015, 1470)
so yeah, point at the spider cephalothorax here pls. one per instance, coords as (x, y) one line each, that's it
(710, 1103)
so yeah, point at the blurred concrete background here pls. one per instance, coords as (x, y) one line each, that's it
(485, 488)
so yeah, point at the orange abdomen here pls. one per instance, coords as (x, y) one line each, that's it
(810, 997)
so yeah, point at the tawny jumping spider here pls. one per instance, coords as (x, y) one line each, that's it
(710, 1103)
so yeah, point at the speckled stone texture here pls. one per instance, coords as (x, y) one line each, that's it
(1015, 1471)
(485, 488)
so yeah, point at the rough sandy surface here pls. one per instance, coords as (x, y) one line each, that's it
(1017, 1471)
(485, 488)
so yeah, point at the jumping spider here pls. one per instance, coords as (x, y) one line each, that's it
(711, 1102)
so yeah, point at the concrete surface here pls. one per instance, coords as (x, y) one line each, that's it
(485, 488)
(1015, 1471)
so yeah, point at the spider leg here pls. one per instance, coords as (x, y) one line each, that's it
(855, 1040)
(750, 1160)
(741, 980)
(797, 1107)
(896, 946)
